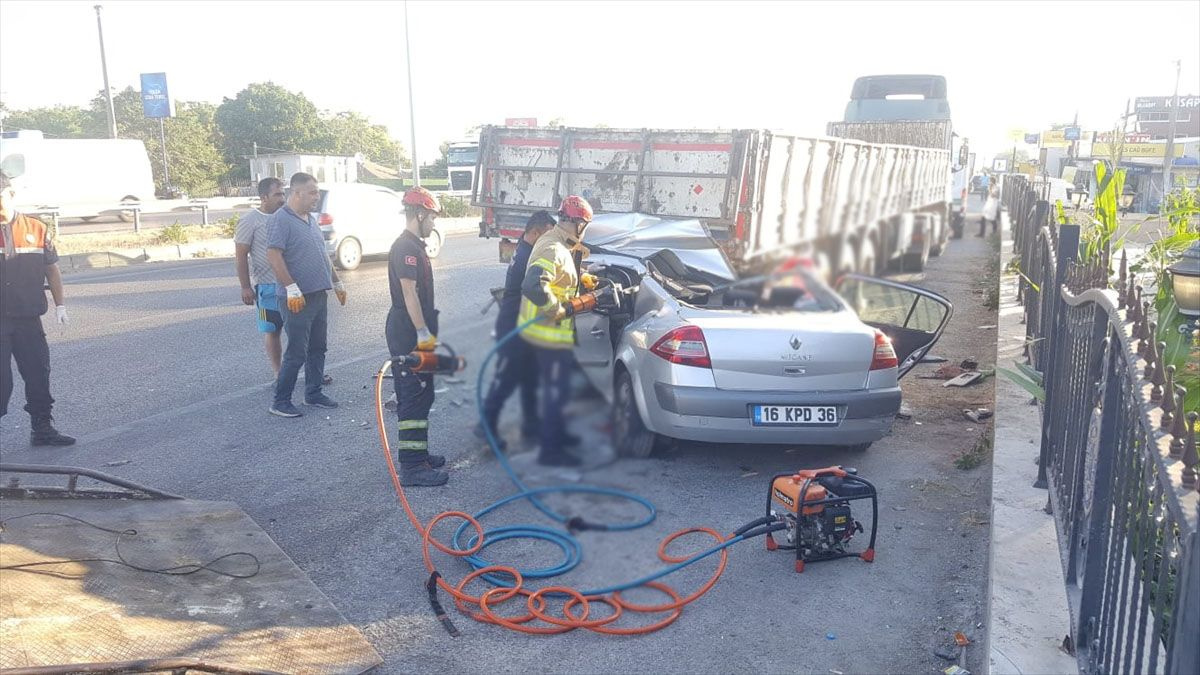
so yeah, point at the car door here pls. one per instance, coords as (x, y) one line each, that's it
(914, 318)
(594, 350)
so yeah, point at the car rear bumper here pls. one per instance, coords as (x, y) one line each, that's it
(722, 416)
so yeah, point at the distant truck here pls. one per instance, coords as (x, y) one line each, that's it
(913, 110)
(80, 178)
(461, 159)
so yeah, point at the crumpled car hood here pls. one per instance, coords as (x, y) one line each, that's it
(641, 236)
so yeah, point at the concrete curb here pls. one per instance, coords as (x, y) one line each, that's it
(207, 248)
(1028, 613)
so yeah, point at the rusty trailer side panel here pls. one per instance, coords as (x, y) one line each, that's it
(761, 193)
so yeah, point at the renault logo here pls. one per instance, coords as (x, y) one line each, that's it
(795, 342)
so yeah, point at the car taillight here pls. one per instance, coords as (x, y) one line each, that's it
(684, 345)
(325, 219)
(885, 355)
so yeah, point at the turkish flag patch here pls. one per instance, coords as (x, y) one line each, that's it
(411, 260)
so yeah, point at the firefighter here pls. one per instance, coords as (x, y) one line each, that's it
(412, 324)
(552, 279)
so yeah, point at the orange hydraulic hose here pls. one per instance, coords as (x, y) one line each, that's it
(536, 602)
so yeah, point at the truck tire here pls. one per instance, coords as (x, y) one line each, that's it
(867, 262)
(915, 262)
(348, 255)
(630, 436)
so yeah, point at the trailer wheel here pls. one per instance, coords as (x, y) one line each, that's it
(127, 216)
(867, 263)
(915, 262)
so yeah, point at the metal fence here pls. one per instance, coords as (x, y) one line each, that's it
(1118, 454)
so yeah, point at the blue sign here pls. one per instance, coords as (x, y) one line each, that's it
(1071, 134)
(156, 103)
(1032, 139)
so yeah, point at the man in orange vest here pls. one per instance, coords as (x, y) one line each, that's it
(27, 264)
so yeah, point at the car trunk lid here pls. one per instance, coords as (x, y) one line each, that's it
(785, 351)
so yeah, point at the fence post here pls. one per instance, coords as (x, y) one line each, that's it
(1186, 622)
(1065, 256)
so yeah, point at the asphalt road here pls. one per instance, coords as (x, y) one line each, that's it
(161, 375)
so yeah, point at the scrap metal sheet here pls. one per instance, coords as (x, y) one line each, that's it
(88, 612)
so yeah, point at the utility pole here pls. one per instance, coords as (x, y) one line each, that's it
(412, 119)
(112, 113)
(162, 139)
(1169, 159)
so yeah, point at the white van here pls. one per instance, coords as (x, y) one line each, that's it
(360, 219)
(82, 178)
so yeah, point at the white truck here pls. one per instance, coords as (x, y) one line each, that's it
(461, 160)
(78, 178)
(764, 195)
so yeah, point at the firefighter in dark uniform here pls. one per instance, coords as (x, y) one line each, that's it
(516, 362)
(412, 324)
(28, 262)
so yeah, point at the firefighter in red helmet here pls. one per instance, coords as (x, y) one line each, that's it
(412, 324)
(551, 280)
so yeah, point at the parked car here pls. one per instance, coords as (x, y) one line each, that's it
(696, 353)
(360, 219)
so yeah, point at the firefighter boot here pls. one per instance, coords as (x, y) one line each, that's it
(44, 433)
(422, 475)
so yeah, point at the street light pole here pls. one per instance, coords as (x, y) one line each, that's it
(112, 114)
(1169, 159)
(412, 119)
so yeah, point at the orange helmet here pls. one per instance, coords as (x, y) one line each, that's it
(419, 196)
(576, 208)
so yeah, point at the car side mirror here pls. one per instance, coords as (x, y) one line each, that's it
(13, 165)
(914, 318)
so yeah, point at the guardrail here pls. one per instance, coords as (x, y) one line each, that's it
(132, 211)
(1118, 455)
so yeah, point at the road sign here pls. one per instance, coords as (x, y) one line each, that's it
(1016, 134)
(1031, 139)
(1071, 133)
(156, 102)
(1000, 165)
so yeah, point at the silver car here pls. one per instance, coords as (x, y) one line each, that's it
(695, 353)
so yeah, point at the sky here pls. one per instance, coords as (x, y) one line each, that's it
(1010, 65)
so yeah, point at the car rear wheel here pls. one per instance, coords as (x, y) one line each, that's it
(857, 447)
(433, 244)
(631, 438)
(349, 254)
(126, 216)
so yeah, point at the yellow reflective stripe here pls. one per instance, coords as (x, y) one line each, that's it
(547, 265)
(551, 333)
(412, 445)
(413, 424)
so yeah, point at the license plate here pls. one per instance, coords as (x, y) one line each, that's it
(794, 414)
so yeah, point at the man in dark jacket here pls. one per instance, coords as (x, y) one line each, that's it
(27, 263)
(516, 362)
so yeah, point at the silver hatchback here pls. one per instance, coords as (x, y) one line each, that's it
(697, 354)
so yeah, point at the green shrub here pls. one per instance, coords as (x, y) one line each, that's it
(455, 207)
(228, 227)
(173, 234)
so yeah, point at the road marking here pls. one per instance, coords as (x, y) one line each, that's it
(160, 418)
(135, 273)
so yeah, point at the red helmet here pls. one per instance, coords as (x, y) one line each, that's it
(419, 196)
(576, 207)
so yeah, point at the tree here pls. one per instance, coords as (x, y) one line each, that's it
(194, 158)
(275, 118)
(60, 121)
(348, 133)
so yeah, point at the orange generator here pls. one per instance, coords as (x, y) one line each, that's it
(814, 507)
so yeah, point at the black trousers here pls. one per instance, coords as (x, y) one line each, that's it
(516, 367)
(554, 367)
(24, 340)
(414, 392)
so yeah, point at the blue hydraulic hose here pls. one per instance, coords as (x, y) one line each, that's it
(565, 541)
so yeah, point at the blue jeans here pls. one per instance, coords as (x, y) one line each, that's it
(306, 340)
